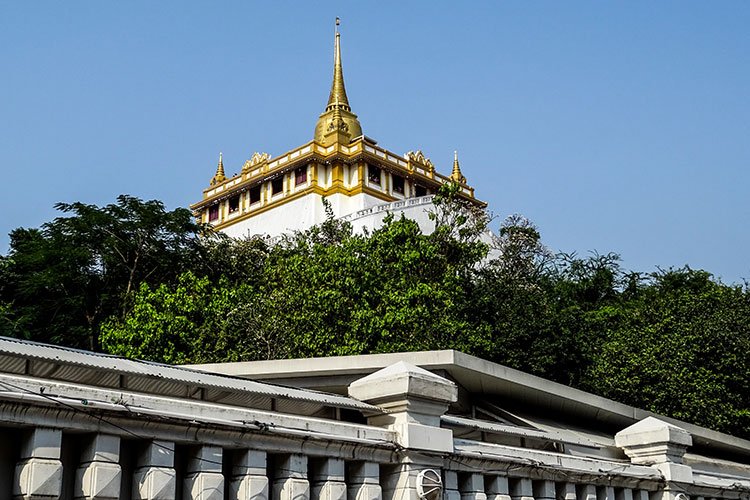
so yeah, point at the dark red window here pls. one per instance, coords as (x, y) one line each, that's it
(213, 212)
(300, 176)
(277, 185)
(254, 194)
(373, 174)
(234, 203)
(398, 184)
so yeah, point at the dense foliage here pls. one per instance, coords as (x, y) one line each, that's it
(134, 279)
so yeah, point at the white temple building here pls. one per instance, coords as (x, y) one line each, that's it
(362, 181)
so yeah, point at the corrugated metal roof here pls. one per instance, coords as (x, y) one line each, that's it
(78, 366)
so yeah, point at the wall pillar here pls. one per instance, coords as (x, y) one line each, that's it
(661, 445)
(249, 480)
(154, 477)
(203, 478)
(99, 475)
(291, 481)
(328, 479)
(38, 474)
(414, 399)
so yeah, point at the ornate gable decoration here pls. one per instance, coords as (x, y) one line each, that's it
(419, 157)
(254, 160)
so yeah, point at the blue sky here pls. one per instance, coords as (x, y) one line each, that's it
(614, 126)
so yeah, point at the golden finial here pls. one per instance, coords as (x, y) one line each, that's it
(456, 175)
(338, 91)
(337, 123)
(219, 176)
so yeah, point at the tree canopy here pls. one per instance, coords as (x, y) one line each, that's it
(137, 280)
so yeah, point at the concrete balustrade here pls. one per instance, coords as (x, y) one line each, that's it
(408, 450)
(39, 472)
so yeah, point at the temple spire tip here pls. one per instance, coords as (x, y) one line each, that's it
(456, 174)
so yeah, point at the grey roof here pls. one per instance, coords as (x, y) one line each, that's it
(62, 363)
(544, 399)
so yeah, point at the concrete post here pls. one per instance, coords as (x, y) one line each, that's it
(154, 477)
(450, 485)
(291, 481)
(203, 477)
(328, 479)
(415, 400)
(249, 480)
(99, 475)
(661, 445)
(364, 481)
(497, 488)
(472, 487)
(521, 489)
(38, 474)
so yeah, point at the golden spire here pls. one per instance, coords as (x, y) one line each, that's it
(456, 175)
(337, 98)
(219, 176)
(337, 123)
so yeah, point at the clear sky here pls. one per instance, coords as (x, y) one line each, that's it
(614, 126)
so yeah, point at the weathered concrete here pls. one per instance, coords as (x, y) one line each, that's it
(249, 480)
(203, 479)
(291, 482)
(99, 475)
(38, 474)
(155, 477)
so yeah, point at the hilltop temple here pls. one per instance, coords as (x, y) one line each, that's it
(362, 181)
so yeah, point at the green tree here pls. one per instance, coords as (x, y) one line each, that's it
(679, 348)
(173, 323)
(64, 279)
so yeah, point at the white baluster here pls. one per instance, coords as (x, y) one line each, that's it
(99, 474)
(38, 474)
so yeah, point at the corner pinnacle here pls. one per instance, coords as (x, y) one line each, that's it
(456, 174)
(219, 176)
